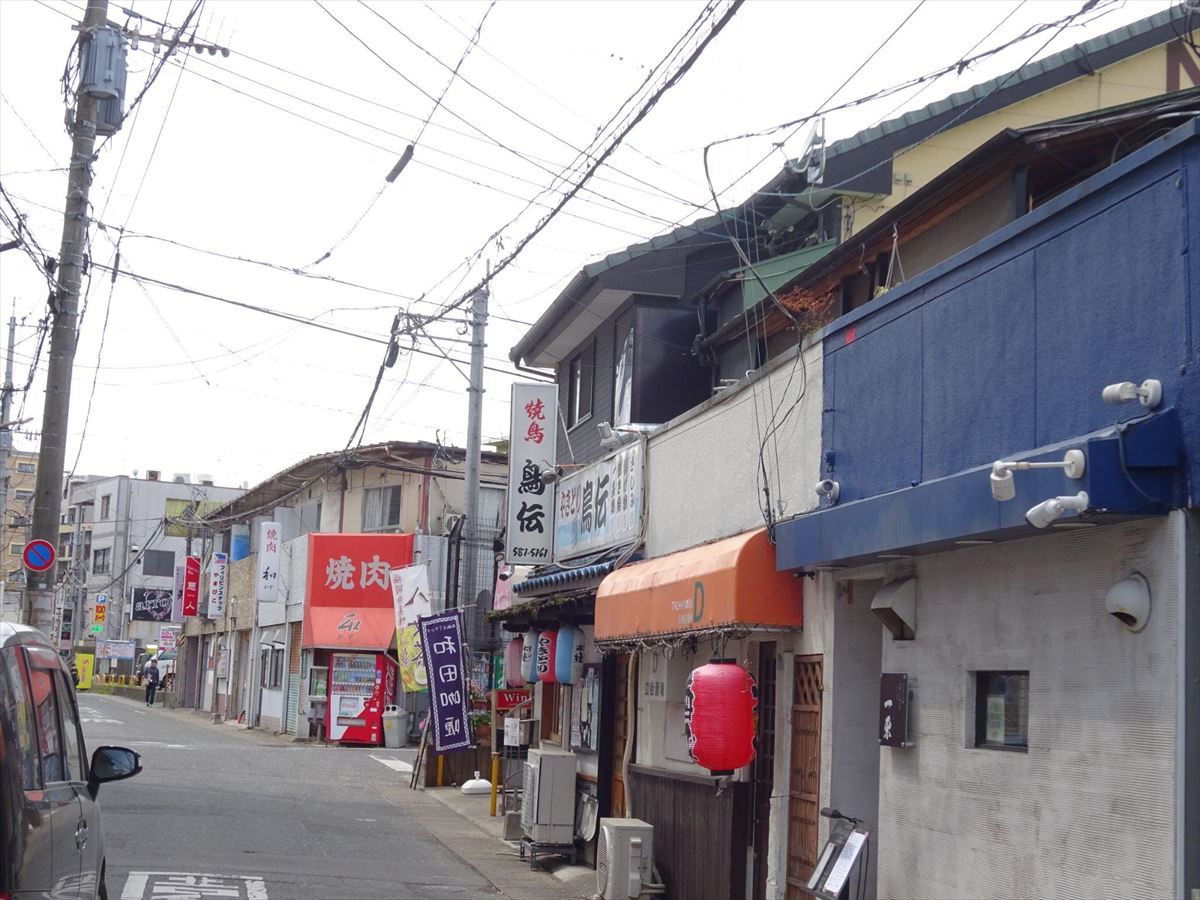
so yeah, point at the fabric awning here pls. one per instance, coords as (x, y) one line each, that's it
(731, 583)
(344, 628)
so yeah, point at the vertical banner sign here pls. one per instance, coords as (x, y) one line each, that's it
(191, 586)
(410, 594)
(177, 596)
(266, 583)
(441, 643)
(217, 574)
(533, 438)
(100, 615)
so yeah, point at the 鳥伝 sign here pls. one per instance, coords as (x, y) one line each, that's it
(441, 644)
(266, 581)
(532, 440)
(600, 506)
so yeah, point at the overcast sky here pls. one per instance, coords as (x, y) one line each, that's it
(273, 153)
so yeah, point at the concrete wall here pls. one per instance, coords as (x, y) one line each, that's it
(704, 476)
(1090, 810)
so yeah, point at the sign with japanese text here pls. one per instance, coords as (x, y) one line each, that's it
(441, 643)
(413, 677)
(191, 586)
(100, 610)
(266, 581)
(410, 594)
(114, 649)
(600, 506)
(168, 639)
(533, 439)
(349, 589)
(151, 605)
(218, 574)
(177, 595)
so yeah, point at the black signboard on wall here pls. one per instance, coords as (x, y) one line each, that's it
(893, 710)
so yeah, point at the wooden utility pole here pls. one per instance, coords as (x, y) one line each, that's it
(48, 499)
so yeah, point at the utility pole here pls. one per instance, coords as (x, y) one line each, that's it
(6, 446)
(479, 311)
(39, 597)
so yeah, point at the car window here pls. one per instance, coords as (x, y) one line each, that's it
(45, 703)
(16, 716)
(76, 768)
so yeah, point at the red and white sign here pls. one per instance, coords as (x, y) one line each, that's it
(168, 639)
(533, 439)
(191, 586)
(348, 600)
(38, 555)
(512, 698)
(266, 581)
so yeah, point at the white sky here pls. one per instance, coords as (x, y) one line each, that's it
(186, 384)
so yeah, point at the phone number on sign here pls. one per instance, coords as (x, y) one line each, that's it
(528, 552)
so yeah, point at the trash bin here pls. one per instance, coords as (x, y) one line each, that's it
(392, 738)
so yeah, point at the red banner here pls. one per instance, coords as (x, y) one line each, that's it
(191, 586)
(512, 698)
(348, 602)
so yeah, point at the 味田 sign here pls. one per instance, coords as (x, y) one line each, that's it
(532, 441)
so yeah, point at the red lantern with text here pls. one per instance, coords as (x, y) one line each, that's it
(547, 648)
(718, 716)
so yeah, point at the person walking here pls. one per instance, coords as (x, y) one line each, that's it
(151, 676)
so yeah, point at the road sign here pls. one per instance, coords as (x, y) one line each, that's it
(38, 555)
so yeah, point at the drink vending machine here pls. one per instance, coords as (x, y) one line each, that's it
(360, 686)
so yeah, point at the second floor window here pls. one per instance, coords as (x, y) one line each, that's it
(623, 374)
(158, 562)
(25, 496)
(102, 561)
(104, 506)
(579, 386)
(381, 509)
(26, 468)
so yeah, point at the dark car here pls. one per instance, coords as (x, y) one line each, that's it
(51, 843)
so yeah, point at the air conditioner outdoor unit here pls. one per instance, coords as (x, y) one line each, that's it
(548, 804)
(624, 858)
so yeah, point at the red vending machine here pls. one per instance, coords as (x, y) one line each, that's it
(360, 685)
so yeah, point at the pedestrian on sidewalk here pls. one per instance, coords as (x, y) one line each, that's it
(151, 676)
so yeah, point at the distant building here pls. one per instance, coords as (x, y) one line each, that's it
(22, 476)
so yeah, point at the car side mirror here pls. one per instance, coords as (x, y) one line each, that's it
(112, 764)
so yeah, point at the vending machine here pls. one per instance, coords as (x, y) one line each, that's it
(360, 685)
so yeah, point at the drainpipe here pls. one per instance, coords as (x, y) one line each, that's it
(342, 503)
(426, 487)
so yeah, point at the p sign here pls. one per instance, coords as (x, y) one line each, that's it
(38, 555)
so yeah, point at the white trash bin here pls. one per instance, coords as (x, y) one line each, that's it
(392, 739)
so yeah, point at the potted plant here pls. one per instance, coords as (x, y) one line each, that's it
(481, 721)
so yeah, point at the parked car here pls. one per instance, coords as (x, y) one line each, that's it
(51, 841)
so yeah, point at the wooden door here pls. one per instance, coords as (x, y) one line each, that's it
(620, 732)
(805, 790)
(763, 772)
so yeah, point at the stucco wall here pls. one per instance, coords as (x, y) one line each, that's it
(704, 469)
(1089, 811)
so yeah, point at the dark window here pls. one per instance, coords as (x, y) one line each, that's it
(276, 668)
(1002, 710)
(381, 509)
(76, 768)
(580, 372)
(50, 748)
(104, 502)
(158, 562)
(264, 667)
(623, 373)
(16, 716)
(24, 496)
(101, 561)
(26, 468)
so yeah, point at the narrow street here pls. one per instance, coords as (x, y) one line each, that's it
(259, 818)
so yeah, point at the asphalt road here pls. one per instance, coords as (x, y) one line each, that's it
(219, 812)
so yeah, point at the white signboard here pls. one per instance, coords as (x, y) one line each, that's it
(168, 639)
(266, 581)
(599, 506)
(177, 596)
(218, 572)
(410, 594)
(533, 438)
(114, 649)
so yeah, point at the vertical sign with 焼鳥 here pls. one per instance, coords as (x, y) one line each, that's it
(266, 582)
(218, 572)
(191, 586)
(532, 440)
(441, 644)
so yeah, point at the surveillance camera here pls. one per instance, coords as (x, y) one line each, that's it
(1051, 510)
(828, 488)
(1149, 392)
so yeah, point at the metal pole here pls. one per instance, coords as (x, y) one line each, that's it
(6, 448)
(479, 313)
(64, 308)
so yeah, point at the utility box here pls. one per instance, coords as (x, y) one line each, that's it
(102, 64)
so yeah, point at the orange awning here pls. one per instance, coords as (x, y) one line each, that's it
(728, 583)
(347, 628)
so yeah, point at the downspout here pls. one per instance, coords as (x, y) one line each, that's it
(426, 487)
(342, 503)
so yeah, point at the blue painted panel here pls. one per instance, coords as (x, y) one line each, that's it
(980, 370)
(878, 412)
(1112, 306)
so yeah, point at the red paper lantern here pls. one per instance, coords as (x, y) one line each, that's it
(718, 716)
(547, 647)
(512, 664)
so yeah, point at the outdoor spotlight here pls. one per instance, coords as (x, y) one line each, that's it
(1073, 465)
(1055, 508)
(829, 489)
(1149, 392)
(551, 475)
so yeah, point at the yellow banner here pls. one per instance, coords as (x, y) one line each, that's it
(84, 665)
(413, 677)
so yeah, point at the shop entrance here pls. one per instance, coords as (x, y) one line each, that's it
(804, 799)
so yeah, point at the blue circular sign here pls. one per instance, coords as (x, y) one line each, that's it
(38, 555)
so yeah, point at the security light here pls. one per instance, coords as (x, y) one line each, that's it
(1073, 465)
(1055, 508)
(1149, 392)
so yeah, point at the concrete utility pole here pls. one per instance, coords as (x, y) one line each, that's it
(39, 597)
(479, 303)
(6, 444)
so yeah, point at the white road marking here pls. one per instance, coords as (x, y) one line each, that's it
(398, 764)
(87, 714)
(193, 886)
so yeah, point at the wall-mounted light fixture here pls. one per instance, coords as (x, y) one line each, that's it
(1073, 465)
(1055, 508)
(829, 489)
(1128, 601)
(1149, 392)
